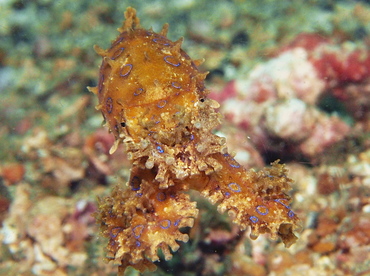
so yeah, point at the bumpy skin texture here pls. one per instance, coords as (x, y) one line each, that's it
(153, 99)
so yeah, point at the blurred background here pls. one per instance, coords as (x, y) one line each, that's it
(293, 81)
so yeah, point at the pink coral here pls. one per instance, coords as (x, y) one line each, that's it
(280, 99)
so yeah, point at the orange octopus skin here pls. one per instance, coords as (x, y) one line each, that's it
(153, 99)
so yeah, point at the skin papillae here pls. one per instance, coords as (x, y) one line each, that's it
(153, 99)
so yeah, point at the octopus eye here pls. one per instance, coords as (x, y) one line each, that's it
(123, 124)
(202, 100)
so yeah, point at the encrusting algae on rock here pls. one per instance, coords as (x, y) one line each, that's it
(153, 99)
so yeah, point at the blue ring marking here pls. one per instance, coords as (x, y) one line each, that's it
(291, 214)
(112, 242)
(227, 194)
(253, 219)
(135, 183)
(171, 63)
(161, 41)
(109, 104)
(161, 196)
(139, 194)
(177, 222)
(113, 231)
(232, 187)
(155, 119)
(100, 86)
(168, 224)
(115, 127)
(278, 200)
(128, 70)
(191, 137)
(140, 229)
(263, 213)
(138, 243)
(138, 91)
(117, 42)
(232, 162)
(159, 149)
(161, 103)
(117, 53)
(175, 84)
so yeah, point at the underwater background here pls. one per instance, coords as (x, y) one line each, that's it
(293, 81)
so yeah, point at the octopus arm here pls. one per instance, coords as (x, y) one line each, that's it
(140, 219)
(255, 199)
